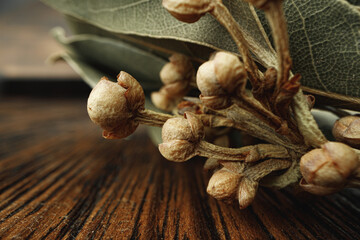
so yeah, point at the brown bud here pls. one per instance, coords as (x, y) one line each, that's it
(229, 71)
(188, 10)
(329, 166)
(134, 93)
(224, 74)
(215, 102)
(179, 69)
(223, 184)
(206, 80)
(176, 76)
(162, 101)
(177, 150)
(317, 190)
(190, 129)
(180, 137)
(247, 192)
(347, 130)
(112, 105)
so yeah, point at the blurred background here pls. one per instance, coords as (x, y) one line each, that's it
(25, 45)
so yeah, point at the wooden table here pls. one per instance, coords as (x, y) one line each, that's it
(60, 180)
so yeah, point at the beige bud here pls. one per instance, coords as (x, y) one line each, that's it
(247, 192)
(223, 184)
(347, 130)
(177, 150)
(108, 107)
(180, 137)
(230, 72)
(134, 93)
(162, 101)
(188, 10)
(179, 69)
(206, 80)
(177, 129)
(317, 190)
(329, 166)
(215, 102)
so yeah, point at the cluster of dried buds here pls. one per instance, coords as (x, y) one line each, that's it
(294, 150)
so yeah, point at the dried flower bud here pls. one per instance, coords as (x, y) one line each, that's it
(229, 71)
(206, 80)
(190, 129)
(113, 105)
(224, 74)
(176, 76)
(347, 130)
(317, 190)
(329, 166)
(247, 192)
(177, 150)
(223, 184)
(215, 102)
(188, 10)
(134, 93)
(180, 137)
(162, 101)
(179, 69)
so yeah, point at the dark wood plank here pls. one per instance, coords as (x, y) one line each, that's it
(60, 180)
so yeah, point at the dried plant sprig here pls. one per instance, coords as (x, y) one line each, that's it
(276, 111)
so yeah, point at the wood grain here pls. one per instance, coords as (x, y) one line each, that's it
(60, 180)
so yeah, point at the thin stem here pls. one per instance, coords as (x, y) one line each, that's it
(260, 170)
(275, 15)
(245, 121)
(152, 118)
(224, 17)
(247, 153)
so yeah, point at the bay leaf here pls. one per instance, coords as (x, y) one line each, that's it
(325, 47)
(325, 44)
(324, 34)
(159, 46)
(114, 56)
(87, 72)
(149, 19)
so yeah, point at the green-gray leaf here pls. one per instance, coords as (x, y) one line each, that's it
(113, 56)
(148, 18)
(325, 44)
(324, 34)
